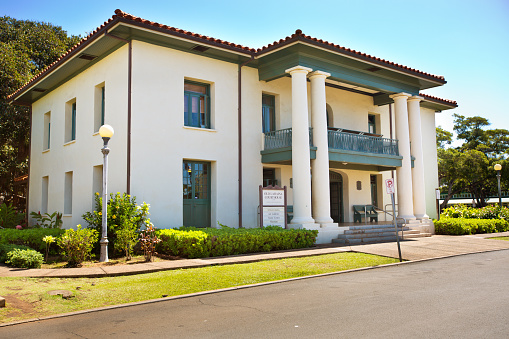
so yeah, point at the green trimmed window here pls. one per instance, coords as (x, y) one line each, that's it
(268, 113)
(196, 104)
(73, 121)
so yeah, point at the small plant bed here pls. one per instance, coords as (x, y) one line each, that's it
(28, 298)
(59, 262)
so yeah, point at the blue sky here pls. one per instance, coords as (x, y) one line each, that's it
(467, 41)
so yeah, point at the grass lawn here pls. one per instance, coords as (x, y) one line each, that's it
(500, 238)
(27, 298)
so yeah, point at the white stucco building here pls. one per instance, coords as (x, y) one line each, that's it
(200, 123)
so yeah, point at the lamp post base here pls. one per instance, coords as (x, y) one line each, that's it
(104, 250)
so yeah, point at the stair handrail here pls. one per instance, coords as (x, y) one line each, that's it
(392, 215)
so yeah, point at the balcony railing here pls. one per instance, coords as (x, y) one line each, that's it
(359, 142)
(282, 138)
(338, 139)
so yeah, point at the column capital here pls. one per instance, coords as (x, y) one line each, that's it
(415, 98)
(319, 74)
(400, 96)
(298, 69)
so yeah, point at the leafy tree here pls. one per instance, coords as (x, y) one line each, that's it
(471, 130)
(443, 137)
(26, 48)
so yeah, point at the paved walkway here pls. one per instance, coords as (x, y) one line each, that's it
(413, 249)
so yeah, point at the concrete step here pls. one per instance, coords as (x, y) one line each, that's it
(374, 230)
(368, 235)
(368, 226)
(416, 235)
(365, 240)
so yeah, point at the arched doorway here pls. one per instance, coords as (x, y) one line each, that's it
(336, 197)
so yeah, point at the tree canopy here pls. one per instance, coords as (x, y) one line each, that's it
(26, 48)
(469, 167)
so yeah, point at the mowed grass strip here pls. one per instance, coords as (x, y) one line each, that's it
(499, 238)
(28, 298)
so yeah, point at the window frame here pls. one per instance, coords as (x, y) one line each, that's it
(272, 113)
(189, 104)
(372, 123)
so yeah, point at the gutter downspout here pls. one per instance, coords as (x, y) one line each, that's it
(29, 156)
(129, 100)
(239, 121)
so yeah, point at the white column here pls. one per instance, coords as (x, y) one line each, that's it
(320, 166)
(300, 147)
(418, 185)
(403, 173)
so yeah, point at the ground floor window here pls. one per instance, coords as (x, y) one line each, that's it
(196, 193)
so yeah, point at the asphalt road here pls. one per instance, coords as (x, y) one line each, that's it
(459, 297)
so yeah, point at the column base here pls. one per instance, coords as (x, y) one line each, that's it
(302, 220)
(324, 220)
(407, 217)
(422, 216)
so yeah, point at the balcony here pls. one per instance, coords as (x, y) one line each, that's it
(347, 149)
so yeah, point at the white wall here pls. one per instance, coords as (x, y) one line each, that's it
(81, 155)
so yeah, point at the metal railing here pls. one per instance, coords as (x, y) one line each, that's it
(282, 138)
(465, 195)
(362, 143)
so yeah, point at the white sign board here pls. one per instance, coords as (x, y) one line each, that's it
(274, 216)
(389, 186)
(273, 198)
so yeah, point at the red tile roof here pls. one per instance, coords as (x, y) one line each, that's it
(297, 36)
(440, 100)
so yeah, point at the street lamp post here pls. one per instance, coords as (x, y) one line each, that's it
(106, 132)
(498, 167)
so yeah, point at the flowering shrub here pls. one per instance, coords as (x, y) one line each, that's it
(77, 245)
(149, 239)
(48, 240)
(9, 216)
(124, 219)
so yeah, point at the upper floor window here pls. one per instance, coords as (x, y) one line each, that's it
(196, 104)
(47, 131)
(99, 106)
(268, 113)
(70, 121)
(371, 124)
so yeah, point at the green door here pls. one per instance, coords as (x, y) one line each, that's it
(196, 193)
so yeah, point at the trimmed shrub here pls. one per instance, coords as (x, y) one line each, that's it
(27, 258)
(488, 212)
(31, 237)
(6, 248)
(460, 226)
(190, 242)
(77, 244)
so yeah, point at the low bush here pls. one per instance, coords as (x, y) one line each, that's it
(31, 237)
(460, 226)
(6, 248)
(190, 242)
(26, 258)
(77, 244)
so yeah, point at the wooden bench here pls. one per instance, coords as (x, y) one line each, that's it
(364, 211)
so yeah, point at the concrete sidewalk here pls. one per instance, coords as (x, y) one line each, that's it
(413, 249)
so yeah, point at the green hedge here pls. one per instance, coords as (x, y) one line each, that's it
(460, 226)
(487, 212)
(190, 242)
(31, 237)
